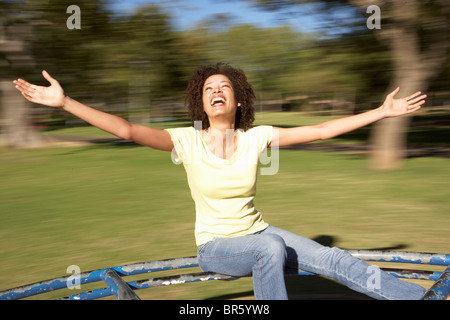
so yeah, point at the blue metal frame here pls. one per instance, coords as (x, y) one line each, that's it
(123, 290)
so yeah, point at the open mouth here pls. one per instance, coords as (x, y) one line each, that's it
(217, 101)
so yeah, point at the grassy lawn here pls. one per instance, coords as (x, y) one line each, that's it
(106, 205)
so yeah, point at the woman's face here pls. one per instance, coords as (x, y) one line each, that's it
(218, 97)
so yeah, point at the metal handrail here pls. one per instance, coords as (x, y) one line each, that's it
(113, 276)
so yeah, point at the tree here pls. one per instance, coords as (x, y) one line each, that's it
(36, 36)
(416, 34)
(108, 60)
(281, 62)
(15, 59)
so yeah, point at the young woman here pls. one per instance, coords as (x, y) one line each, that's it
(221, 155)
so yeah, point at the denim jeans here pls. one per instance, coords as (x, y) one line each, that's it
(266, 254)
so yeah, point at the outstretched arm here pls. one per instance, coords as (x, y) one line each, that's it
(54, 96)
(391, 108)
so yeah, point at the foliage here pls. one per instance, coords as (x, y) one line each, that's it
(115, 57)
(99, 60)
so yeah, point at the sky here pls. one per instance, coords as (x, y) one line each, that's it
(187, 13)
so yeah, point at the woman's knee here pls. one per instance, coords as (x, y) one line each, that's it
(334, 259)
(273, 247)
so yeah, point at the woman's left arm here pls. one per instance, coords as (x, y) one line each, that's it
(391, 108)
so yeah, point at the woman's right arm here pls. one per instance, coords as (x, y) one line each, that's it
(54, 96)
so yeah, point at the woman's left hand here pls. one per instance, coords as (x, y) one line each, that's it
(397, 107)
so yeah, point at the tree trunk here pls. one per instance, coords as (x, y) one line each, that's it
(413, 71)
(389, 136)
(14, 108)
(16, 132)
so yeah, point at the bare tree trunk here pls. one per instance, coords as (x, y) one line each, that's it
(16, 132)
(413, 70)
(389, 136)
(14, 108)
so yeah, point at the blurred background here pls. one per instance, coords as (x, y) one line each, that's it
(134, 57)
(308, 61)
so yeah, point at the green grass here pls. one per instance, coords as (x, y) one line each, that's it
(106, 205)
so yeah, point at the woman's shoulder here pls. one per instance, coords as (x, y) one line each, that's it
(261, 135)
(181, 130)
(261, 130)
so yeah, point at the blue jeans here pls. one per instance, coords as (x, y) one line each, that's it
(266, 254)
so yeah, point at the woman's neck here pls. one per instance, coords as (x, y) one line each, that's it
(221, 136)
(222, 125)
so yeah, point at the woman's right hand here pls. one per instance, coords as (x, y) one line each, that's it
(52, 96)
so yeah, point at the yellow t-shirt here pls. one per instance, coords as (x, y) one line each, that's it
(222, 189)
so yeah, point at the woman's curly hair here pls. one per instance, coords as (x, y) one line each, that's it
(243, 91)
